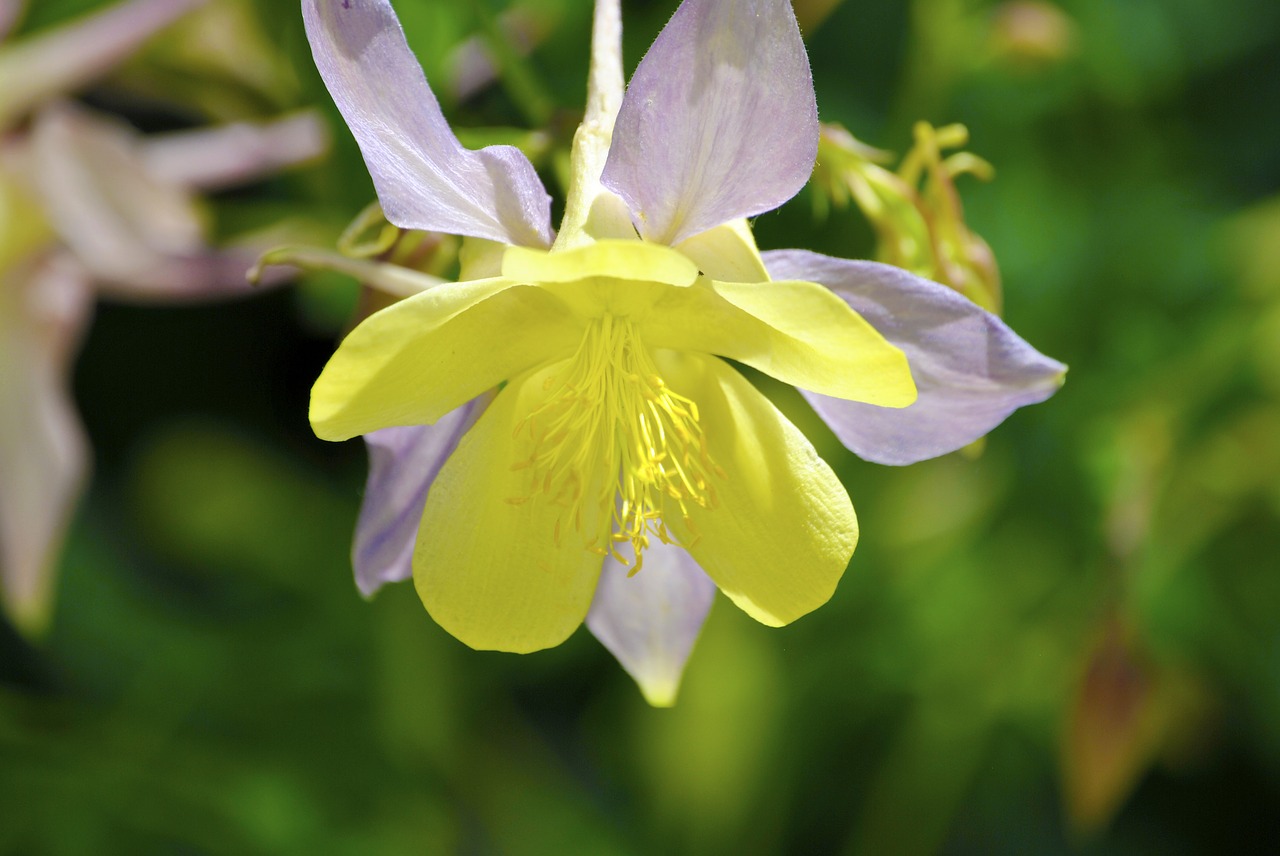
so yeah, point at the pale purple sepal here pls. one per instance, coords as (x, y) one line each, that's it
(425, 178)
(44, 305)
(970, 369)
(650, 621)
(141, 237)
(403, 462)
(63, 59)
(236, 153)
(719, 121)
(10, 11)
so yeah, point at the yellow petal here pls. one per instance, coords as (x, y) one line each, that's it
(782, 528)
(488, 569)
(479, 258)
(834, 347)
(728, 252)
(634, 261)
(798, 332)
(420, 358)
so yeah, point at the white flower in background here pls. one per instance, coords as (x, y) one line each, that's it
(89, 207)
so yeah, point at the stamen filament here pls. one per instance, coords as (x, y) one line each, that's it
(612, 434)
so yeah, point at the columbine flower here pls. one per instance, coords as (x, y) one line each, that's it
(618, 437)
(89, 207)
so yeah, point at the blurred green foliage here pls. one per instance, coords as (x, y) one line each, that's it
(1070, 644)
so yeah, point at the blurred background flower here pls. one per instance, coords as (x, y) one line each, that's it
(91, 206)
(1066, 644)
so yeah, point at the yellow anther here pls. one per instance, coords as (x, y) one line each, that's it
(611, 432)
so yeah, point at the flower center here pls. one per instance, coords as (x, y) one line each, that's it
(612, 433)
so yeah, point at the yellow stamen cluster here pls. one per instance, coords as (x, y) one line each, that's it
(611, 432)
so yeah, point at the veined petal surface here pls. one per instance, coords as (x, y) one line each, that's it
(420, 358)
(971, 369)
(403, 462)
(425, 178)
(650, 620)
(782, 529)
(488, 567)
(719, 121)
